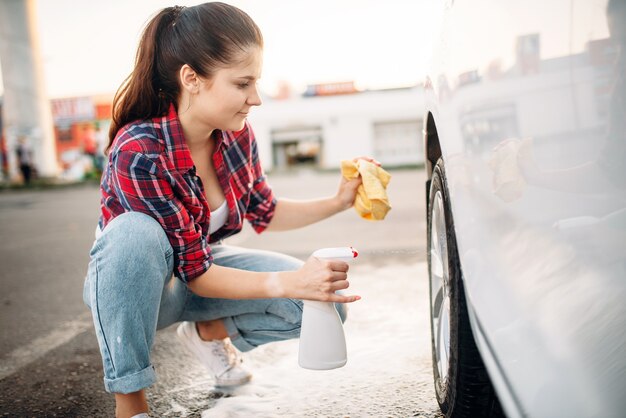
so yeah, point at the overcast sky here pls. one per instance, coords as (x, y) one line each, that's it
(88, 46)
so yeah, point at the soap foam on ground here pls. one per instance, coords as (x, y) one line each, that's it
(389, 361)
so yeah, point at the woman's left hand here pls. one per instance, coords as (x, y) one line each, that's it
(348, 188)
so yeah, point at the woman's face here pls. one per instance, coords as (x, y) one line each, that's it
(224, 101)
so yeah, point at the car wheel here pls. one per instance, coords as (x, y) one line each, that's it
(462, 385)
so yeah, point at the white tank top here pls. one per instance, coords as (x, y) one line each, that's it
(219, 217)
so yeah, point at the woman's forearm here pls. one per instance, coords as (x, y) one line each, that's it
(292, 214)
(230, 283)
(315, 280)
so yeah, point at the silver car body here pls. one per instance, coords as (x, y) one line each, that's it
(527, 101)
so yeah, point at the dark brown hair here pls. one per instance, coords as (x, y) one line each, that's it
(206, 37)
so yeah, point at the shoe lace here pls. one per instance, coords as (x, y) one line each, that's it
(227, 354)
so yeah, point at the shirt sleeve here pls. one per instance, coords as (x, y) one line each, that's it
(262, 200)
(141, 186)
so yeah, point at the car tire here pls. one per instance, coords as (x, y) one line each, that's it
(462, 385)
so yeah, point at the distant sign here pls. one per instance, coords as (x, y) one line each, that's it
(330, 89)
(74, 109)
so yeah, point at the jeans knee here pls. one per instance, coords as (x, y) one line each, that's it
(133, 247)
(133, 231)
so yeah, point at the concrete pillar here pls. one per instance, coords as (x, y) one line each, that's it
(26, 106)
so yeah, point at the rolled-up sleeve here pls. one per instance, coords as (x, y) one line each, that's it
(141, 186)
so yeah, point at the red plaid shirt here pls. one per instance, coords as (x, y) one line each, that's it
(150, 170)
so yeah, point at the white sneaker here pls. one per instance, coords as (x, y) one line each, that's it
(220, 357)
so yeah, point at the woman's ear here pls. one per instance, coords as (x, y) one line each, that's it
(189, 80)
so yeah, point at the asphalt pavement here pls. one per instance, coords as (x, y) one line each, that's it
(49, 359)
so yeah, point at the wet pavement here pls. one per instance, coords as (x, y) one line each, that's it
(388, 373)
(49, 359)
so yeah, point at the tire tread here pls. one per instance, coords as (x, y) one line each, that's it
(469, 392)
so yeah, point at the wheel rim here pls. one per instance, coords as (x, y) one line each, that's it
(439, 279)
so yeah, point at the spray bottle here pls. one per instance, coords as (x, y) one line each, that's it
(322, 340)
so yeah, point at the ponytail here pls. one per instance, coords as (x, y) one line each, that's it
(205, 37)
(138, 97)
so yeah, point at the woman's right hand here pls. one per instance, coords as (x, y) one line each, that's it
(318, 279)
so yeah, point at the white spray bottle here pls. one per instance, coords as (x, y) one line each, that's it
(322, 341)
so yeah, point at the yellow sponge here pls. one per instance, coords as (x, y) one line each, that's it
(371, 201)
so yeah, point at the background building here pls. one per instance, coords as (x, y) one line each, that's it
(334, 122)
(331, 122)
(81, 125)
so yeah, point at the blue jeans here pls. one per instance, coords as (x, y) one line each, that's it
(131, 293)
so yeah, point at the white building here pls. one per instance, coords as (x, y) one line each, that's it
(320, 131)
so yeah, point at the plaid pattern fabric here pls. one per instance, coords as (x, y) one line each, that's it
(150, 170)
